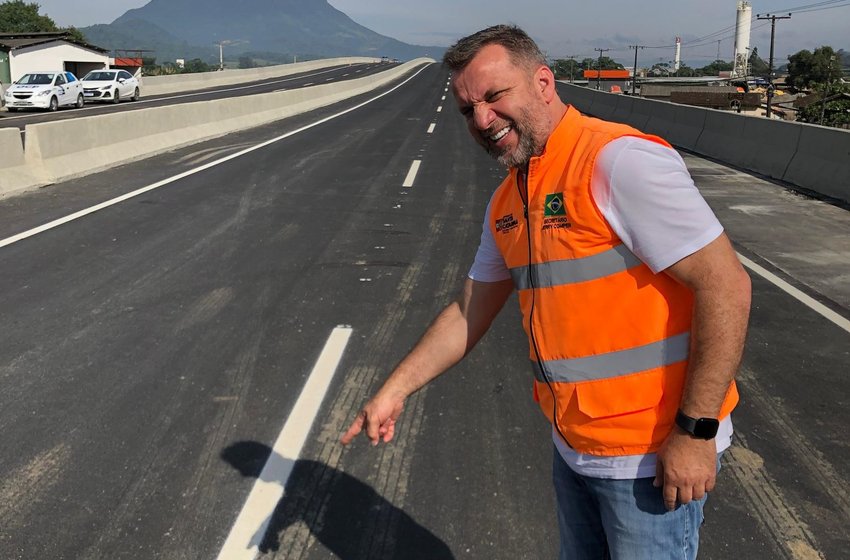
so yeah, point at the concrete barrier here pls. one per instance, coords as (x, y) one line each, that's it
(104, 141)
(15, 174)
(723, 137)
(812, 157)
(771, 145)
(624, 112)
(822, 159)
(579, 97)
(660, 118)
(160, 85)
(640, 112)
(686, 126)
(604, 105)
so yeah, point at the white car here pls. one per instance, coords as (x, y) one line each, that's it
(44, 90)
(110, 85)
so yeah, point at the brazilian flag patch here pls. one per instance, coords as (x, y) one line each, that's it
(555, 205)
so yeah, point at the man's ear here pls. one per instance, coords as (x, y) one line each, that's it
(544, 81)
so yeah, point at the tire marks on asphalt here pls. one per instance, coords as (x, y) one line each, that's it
(24, 487)
(770, 505)
(391, 463)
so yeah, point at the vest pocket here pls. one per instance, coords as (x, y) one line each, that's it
(620, 395)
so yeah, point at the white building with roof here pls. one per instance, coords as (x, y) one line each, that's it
(21, 53)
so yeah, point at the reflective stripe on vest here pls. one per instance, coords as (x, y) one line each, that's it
(558, 273)
(613, 364)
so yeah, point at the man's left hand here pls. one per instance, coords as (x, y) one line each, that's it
(686, 469)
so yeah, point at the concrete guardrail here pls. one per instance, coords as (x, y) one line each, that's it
(813, 157)
(14, 171)
(159, 85)
(104, 141)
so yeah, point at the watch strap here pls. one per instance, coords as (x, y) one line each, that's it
(702, 428)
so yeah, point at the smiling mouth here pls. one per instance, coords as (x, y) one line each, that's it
(500, 134)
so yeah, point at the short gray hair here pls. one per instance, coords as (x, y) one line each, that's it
(522, 48)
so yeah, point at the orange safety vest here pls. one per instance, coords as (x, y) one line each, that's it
(608, 338)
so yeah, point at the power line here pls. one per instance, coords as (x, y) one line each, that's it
(829, 3)
(716, 37)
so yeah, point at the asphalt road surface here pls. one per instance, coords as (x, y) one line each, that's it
(154, 350)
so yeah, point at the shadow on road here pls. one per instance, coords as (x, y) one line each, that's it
(347, 516)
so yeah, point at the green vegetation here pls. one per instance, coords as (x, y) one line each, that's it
(757, 66)
(821, 71)
(193, 66)
(564, 68)
(835, 112)
(17, 16)
(807, 70)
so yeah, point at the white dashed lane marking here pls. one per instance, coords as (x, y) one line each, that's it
(411, 175)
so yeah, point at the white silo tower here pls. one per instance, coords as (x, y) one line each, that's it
(677, 62)
(742, 39)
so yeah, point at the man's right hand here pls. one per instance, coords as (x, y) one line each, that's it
(378, 418)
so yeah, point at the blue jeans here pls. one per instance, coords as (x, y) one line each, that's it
(602, 519)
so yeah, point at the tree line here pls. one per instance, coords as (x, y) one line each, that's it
(805, 69)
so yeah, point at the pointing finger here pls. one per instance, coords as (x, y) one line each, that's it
(355, 428)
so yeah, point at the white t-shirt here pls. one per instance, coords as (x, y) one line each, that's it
(644, 191)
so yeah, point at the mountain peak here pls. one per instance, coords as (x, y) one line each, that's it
(295, 27)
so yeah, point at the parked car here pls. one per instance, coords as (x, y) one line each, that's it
(2, 95)
(110, 85)
(44, 90)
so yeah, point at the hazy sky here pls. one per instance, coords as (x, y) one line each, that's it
(562, 27)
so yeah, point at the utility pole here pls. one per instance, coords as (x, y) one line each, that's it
(599, 67)
(770, 88)
(634, 72)
(718, 50)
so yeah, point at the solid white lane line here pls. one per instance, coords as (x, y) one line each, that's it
(122, 198)
(411, 175)
(432, 127)
(806, 300)
(250, 527)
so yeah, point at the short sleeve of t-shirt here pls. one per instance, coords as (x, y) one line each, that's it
(488, 266)
(646, 194)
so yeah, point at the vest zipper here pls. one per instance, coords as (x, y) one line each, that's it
(524, 197)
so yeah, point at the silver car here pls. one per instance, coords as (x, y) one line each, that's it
(110, 85)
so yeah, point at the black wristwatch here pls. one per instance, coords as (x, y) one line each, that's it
(703, 428)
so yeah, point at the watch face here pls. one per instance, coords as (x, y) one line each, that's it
(706, 428)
